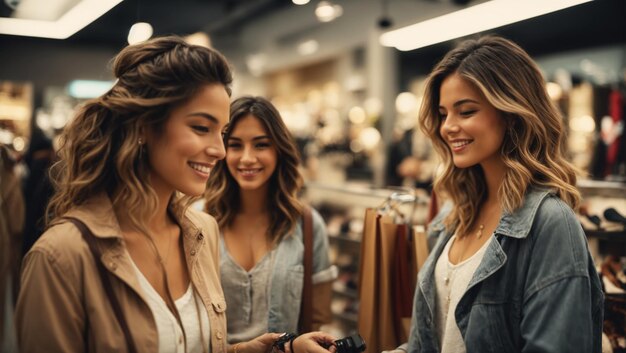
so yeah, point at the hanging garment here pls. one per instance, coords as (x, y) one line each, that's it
(612, 130)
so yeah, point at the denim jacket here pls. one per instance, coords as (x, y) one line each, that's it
(286, 279)
(536, 289)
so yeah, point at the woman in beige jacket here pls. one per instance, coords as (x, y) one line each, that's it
(131, 162)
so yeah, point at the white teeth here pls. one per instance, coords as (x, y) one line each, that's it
(248, 172)
(200, 167)
(458, 144)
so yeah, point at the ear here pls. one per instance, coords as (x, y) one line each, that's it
(143, 134)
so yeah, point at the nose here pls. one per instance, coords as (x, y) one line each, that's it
(216, 149)
(449, 127)
(247, 156)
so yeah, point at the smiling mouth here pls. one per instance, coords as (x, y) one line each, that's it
(457, 145)
(249, 172)
(202, 168)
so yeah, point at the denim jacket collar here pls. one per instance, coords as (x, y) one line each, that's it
(516, 224)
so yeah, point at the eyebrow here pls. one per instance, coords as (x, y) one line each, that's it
(461, 102)
(263, 137)
(210, 117)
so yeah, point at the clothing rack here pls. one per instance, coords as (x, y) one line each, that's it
(399, 195)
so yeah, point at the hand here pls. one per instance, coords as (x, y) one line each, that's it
(312, 342)
(261, 344)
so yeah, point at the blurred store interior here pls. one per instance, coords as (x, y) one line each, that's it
(350, 101)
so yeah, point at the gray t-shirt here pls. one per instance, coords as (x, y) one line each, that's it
(246, 312)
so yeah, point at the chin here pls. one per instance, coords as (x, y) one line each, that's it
(193, 192)
(463, 164)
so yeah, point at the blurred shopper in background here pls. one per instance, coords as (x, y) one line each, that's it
(511, 271)
(411, 161)
(126, 265)
(37, 187)
(11, 225)
(253, 194)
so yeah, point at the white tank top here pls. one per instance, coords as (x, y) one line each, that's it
(171, 338)
(451, 282)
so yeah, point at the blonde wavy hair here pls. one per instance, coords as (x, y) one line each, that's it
(534, 143)
(99, 147)
(222, 195)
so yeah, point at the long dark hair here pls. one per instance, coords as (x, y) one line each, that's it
(223, 191)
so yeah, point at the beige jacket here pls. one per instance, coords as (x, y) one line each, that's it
(62, 306)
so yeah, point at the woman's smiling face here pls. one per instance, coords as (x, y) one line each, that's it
(251, 155)
(472, 128)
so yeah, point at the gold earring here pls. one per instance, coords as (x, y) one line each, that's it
(141, 147)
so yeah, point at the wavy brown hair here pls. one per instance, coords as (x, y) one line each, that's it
(534, 143)
(223, 191)
(99, 148)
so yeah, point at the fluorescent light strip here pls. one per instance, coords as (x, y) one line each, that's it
(73, 21)
(478, 18)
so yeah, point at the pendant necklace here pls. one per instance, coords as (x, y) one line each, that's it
(451, 270)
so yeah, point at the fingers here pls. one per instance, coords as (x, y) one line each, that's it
(268, 338)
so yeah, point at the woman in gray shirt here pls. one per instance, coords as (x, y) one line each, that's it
(253, 196)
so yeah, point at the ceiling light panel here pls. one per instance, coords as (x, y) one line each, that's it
(75, 19)
(474, 19)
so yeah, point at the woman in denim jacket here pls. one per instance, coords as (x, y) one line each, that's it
(511, 270)
(253, 196)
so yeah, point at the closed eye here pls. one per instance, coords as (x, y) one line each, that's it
(201, 128)
(468, 112)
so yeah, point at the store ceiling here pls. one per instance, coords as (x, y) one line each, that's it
(166, 17)
(595, 23)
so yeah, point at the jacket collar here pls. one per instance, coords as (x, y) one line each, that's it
(97, 213)
(516, 224)
(519, 223)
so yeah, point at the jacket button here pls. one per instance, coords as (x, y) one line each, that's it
(193, 252)
(113, 266)
(219, 335)
(200, 237)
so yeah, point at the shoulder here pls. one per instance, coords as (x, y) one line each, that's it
(203, 221)
(554, 214)
(61, 246)
(556, 243)
(318, 220)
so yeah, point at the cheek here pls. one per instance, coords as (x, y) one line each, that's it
(232, 160)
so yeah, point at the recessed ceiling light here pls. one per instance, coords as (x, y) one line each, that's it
(300, 2)
(326, 11)
(139, 32)
(77, 18)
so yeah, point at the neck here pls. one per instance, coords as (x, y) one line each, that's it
(157, 221)
(494, 172)
(253, 202)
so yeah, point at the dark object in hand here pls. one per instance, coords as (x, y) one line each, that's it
(350, 344)
(284, 339)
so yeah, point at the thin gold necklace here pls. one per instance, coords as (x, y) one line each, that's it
(450, 270)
